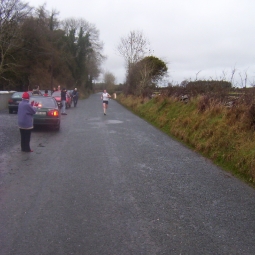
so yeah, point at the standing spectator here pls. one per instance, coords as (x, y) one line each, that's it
(75, 95)
(46, 93)
(36, 90)
(105, 97)
(59, 88)
(25, 121)
(63, 101)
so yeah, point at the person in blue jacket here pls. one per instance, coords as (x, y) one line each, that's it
(25, 121)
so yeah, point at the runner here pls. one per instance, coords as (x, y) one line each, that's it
(105, 97)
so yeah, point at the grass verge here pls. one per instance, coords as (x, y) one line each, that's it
(221, 134)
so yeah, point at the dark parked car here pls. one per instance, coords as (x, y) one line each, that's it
(47, 113)
(57, 96)
(13, 102)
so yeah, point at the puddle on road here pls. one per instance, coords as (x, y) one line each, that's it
(105, 122)
(93, 119)
(113, 122)
(100, 124)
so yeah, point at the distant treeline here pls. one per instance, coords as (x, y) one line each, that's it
(37, 48)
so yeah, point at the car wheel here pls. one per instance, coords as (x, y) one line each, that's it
(10, 111)
(57, 127)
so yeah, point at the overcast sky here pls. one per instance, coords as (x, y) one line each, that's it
(207, 39)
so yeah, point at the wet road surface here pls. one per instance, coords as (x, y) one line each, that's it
(116, 185)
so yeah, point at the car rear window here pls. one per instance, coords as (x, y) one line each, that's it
(56, 94)
(44, 102)
(17, 95)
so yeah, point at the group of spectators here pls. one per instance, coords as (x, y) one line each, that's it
(74, 95)
(26, 111)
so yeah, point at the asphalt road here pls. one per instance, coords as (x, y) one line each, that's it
(116, 185)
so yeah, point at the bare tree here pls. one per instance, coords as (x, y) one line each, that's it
(109, 81)
(109, 78)
(75, 25)
(197, 74)
(145, 72)
(133, 47)
(232, 75)
(224, 75)
(244, 79)
(12, 13)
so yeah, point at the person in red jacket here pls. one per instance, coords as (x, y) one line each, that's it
(46, 94)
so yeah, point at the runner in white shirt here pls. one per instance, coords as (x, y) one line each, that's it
(105, 97)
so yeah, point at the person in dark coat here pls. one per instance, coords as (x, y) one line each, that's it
(25, 121)
(63, 101)
(75, 95)
(36, 91)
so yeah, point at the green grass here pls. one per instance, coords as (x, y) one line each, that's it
(221, 134)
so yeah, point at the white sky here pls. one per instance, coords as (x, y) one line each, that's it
(202, 37)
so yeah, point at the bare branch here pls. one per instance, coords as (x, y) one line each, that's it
(133, 47)
(197, 74)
